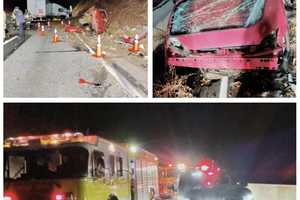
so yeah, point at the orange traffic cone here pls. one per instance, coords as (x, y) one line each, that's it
(99, 52)
(136, 45)
(39, 26)
(42, 32)
(49, 24)
(55, 38)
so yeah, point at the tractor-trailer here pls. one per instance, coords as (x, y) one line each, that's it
(43, 8)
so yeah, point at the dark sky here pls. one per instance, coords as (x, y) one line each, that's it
(252, 141)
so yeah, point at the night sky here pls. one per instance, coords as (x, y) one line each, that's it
(256, 142)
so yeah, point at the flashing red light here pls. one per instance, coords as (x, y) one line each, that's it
(170, 165)
(58, 196)
(9, 196)
(211, 172)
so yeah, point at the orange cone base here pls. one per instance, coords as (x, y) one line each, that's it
(134, 50)
(99, 53)
(98, 56)
(55, 40)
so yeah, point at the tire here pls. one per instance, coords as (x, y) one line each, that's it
(112, 197)
(240, 194)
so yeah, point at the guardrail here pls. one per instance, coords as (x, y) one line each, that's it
(11, 44)
(273, 191)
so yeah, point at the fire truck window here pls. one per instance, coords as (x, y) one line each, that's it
(47, 163)
(120, 166)
(112, 165)
(16, 167)
(99, 164)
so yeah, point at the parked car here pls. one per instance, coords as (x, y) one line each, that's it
(233, 34)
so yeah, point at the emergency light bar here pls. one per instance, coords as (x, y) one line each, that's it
(53, 139)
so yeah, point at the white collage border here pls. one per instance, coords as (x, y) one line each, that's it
(149, 99)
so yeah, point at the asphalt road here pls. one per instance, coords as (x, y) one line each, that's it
(39, 68)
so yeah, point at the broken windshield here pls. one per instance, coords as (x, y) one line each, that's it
(68, 162)
(192, 16)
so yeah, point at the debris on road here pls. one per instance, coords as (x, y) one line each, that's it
(83, 82)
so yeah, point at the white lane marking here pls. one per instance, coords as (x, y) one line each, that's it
(11, 39)
(85, 44)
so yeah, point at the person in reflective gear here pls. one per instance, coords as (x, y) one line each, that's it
(20, 20)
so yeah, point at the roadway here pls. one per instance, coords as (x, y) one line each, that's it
(39, 68)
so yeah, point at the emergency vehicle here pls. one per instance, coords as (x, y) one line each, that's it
(72, 166)
(167, 181)
(208, 181)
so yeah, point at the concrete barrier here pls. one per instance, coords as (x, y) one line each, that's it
(10, 45)
(272, 191)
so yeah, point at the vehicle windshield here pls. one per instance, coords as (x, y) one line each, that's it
(192, 16)
(67, 162)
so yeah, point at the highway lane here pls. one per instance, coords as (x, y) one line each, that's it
(39, 68)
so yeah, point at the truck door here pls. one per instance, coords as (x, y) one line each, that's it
(96, 187)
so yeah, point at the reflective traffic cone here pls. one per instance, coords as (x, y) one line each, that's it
(42, 32)
(136, 44)
(55, 38)
(39, 26)
(49, 24)
(99, 52)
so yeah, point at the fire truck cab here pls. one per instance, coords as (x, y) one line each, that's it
(73, 166)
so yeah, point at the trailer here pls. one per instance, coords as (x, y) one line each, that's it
(41, 9)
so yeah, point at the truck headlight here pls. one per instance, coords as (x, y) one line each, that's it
(174, 42)
(248, 197)
(175, 48)
(182, 198)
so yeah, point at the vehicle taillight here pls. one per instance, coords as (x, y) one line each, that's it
(8, 198)
(58, 196)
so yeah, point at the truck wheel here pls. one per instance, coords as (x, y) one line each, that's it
(239, 194)
(112, 197)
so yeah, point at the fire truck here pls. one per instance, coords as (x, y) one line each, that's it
(167, 180)
(71, 166)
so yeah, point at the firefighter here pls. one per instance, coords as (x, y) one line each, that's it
(20, 20)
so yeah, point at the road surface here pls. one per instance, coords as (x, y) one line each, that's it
(39, 68)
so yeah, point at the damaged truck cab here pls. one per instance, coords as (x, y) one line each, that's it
(227, 34)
